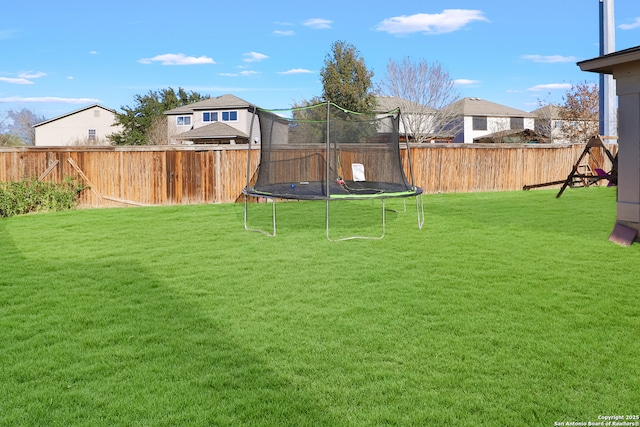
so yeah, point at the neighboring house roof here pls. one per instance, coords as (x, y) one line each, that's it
(74, 112)
(390, 103)
(215, 130)
(480, 107)
(548, 111)
(511, 136)
(217, 103)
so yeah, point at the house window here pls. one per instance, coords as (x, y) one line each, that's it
(183, 120)
(479, 123)
(229, 116)
(210, 116)
(92, 134)
(517, 122)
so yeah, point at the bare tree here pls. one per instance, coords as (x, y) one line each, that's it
(157, 133)
(579, 112)
(22, 124)
(544, 122)
(426, 94)
(86, 142)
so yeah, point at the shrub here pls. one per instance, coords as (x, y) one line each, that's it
(26, 196)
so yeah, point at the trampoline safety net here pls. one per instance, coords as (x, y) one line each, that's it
(326, 152)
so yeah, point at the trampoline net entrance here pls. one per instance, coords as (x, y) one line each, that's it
(324, 152)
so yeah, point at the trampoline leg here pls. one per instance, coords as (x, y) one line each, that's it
(356, 237)
(273, 217)
(420, 211)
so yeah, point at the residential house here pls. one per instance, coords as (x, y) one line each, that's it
(549, 123)
(480, 118)
(90, 125)
(417, 120)
(225, 119)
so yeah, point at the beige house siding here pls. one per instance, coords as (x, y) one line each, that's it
(74, 128)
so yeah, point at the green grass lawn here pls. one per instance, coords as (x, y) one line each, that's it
(506, 309)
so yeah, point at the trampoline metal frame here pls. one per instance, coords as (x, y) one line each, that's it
(273, 217)
(272, 199)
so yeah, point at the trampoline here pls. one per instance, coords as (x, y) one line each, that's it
(324, 152)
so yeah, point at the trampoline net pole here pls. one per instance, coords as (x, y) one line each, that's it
(249, 148)
(327, 155)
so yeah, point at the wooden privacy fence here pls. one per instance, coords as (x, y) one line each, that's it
(168, 175)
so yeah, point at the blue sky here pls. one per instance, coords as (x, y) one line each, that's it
(57, 57)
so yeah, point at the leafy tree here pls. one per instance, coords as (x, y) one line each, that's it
(142, 121)
(10, 140)
(426, 94)
(579, 112)
(17, 127)
(346, 81)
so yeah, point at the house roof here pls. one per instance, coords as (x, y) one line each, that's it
(606, 63)
(215, 130)
(217, 103)
(390, 103)
(480, 107)
(549, 111)
(511, 135)
(74, 112)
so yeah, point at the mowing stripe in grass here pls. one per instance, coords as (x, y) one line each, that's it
(505, 309)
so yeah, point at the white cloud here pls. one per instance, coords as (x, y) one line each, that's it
(254, 57)
(296, 71)
(23, 78)
(16, 81)
(177, 59)
(318, 23)
(229, 74)
(465, 82)
(549, 59)
(635, 24)
(32, 75)
(284, 32)
(52, 99)
(249, 73)
(93, 52)
(551, 86)
(437, 23)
